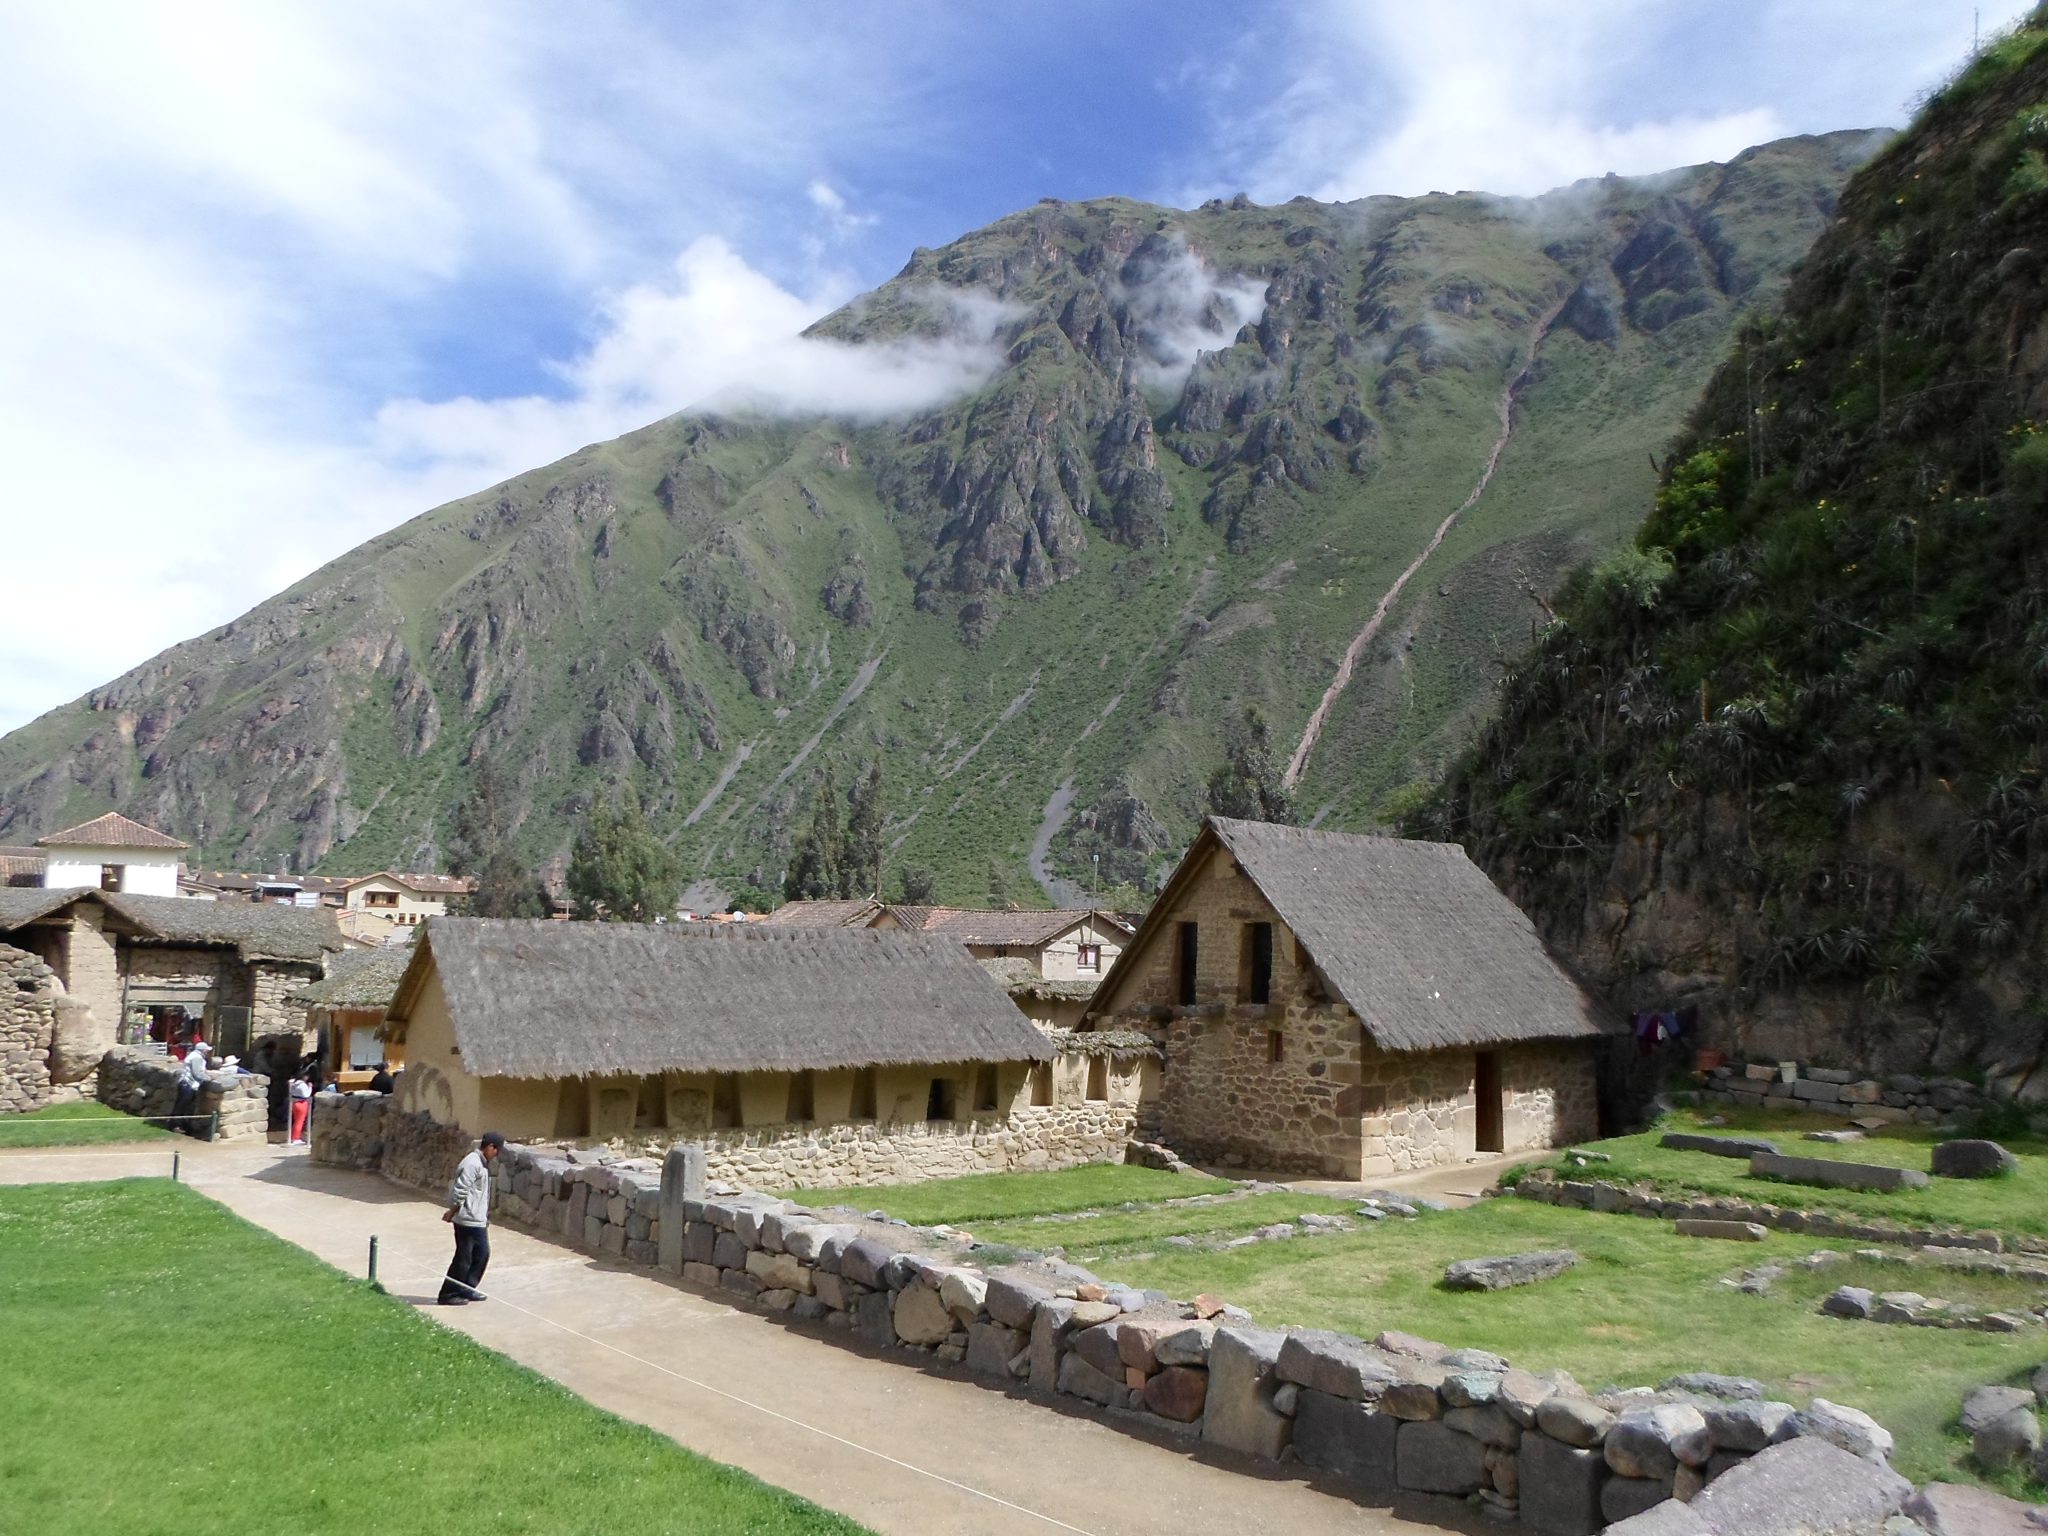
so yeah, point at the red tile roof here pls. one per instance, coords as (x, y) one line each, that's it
(112, 830)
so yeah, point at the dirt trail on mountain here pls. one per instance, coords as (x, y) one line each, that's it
(1504, 409)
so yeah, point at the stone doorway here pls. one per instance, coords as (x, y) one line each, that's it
(1490, 1122)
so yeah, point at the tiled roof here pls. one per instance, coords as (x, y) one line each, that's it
(112, 830)
(541, 999)
(970, 926)
(823, 914)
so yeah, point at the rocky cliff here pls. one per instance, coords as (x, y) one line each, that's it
(1209, 445)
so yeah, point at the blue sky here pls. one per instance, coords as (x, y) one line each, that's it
(275, 278)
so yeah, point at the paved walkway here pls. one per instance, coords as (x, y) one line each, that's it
(898, 1447)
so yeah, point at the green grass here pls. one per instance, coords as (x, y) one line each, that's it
(171, 1369)
(1644, 1304)
(2013, 1204)
(994, 1196)
(1115, 1233)
(74, 1125)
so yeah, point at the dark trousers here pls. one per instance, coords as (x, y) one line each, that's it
(472, 1253)
(183, 1106)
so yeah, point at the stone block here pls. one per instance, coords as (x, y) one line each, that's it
(1505, 1271)
(1801, 1485)
(611, 1240)
(1051, 1321)
(1470, 1389)
(1851, 1301)
(776, 1227)
(1850, 1429)
(1574, 1421)
(1520, 1394)
(810, 1309)
(728, 1252)
(831, 1289)
(1649, 1442)
(638, 1227)
(1713, 1384)
(1078, 1378)
(1623, 1497)
(778, 1271)
(1488, 1425)
(616, 1209)
(920, 1317)
(1559, 1487)
(1239, 1413)
(640, 1251)
(1972, 1160)
(991, 1347)
(1666, 1518)
(699, 1242)
(700, 1274)
(1348, 1438)
(748, 1220)
(1807, 1091)
(874, 1319)
(777, 1300)
(1336, 1364)
(1395, 1342)
(863, 1262)
(1137, 1342)
(1099, 1347)
(1746, 1426)
(1827, 1174)
(1429, 1457)
(740, 1283)
(963, 1291)
(2013, 1437)
(1717, 1146)
(1727, 1231)
(1178, 1392)
(1186, 1345)
(1987, 1405)
(1951, 1509)
(1010, 1301)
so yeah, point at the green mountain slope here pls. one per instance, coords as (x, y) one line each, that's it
(1038, 604)
(1783, 756)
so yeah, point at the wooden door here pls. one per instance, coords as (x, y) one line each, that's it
(1489, 1131)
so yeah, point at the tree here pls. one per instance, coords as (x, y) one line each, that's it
(1247, 785)
(860, 858)
(620, 871)
(480, 846)
(998, 885)
(814, 866)
(917, 885)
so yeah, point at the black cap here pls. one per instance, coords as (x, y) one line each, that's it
(491, 1139)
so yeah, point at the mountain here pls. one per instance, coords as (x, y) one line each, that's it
(1782, 756)
(1204, 448)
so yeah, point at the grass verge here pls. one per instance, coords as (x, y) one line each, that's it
(74, 1125)
(248, 1388)
(997, 1196)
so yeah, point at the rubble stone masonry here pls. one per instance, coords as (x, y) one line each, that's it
(28, 994)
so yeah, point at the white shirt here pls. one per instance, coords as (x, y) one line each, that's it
(470, 1194)
(195, 1068)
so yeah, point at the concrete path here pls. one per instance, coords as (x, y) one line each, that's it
(895, 1446)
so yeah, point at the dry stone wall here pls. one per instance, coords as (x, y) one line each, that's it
(141, 1082)
(1392, 1415)
(1828, 1090)
(28, 996)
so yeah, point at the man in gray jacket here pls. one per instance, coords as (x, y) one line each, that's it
(469, 1208)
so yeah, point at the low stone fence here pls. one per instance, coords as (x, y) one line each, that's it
(140, 1082)
(1396, 1414)
(28, 994)
(1551, 1188)
(1830, 1090)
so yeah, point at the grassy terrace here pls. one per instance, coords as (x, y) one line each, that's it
(2004, 1205)
(1643, 1304)
(74, 1125)
(249, 1388)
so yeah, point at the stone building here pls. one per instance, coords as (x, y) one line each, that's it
(1351, 1006)
(28, 996)
(817, 1056)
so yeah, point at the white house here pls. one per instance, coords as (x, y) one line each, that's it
(112, 853)
(405, 899)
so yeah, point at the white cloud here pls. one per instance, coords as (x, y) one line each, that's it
(1182, 308)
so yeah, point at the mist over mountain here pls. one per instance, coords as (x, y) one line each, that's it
(1031, 524)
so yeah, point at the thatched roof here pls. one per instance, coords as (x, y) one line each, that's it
(1120, 1043)
(823, 914)
(359, 978)
(254, 930)
(1412, 936)
(538, 999)
(112, 830)
(21, 905)
(1019, 977)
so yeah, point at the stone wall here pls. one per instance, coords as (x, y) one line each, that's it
(28, 995)
(1832, 1091)
(1429, 1116)
(270, 982)
(141, 1082)
(1396, 1415)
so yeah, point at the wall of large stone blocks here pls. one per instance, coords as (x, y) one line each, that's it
(1420, 1109)
(28, 994)
(138, 1081)
(1395, 1416)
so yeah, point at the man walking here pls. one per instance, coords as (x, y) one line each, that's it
(469, 1208)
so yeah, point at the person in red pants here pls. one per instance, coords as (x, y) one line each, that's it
(301, 1092)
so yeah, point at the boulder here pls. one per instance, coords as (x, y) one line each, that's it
(1651, 1442)
(1347, 1438)
(1827, 1174)
(1505, 1271)
(1469, 1389)
(1433, 1458)
(808, 1243)
(1087, 1314)
(1575, 1421)
(920, 1317)
(1488, 1425)
(1717, 1146)
(963, 1291)
(1239, 1413)
(1950, 1509)
(1746, 1426)
(1849, 1301)
(1178, 1392)
(991, 1347)
(1077, 1378)
(1803, 1487)
(1010, 1301)
(778, 1271)
(1099, 1347)
(1670, 1518)
(863, 1261)
(1137, 1342)
(1186, 1345)
(1395, 1342)
(1051, 1322)
(1987, 1405)
(1520, 1394)
(1972, 1160)
(1414, 1400)
(2013, 1436)
(1337, 1364)
(1729, 1389)
(1559, 1487)
(1851, 1429)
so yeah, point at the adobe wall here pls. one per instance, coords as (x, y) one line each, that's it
(28, 995)
(91, 965)
(1392, 1417)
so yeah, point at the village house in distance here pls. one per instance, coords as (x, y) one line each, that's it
(1350, 1006)
(815, 1056)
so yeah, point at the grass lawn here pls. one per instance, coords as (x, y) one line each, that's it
(994, 1196)
(169, 1368)
(74, 1125)
(1643, 1304)
(1118, 1231)
(2013, 1204)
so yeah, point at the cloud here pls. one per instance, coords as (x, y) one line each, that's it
(839, 216)
(1181, 309)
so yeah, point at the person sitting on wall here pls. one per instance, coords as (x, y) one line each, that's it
(191, 1079)
(383, 1082)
